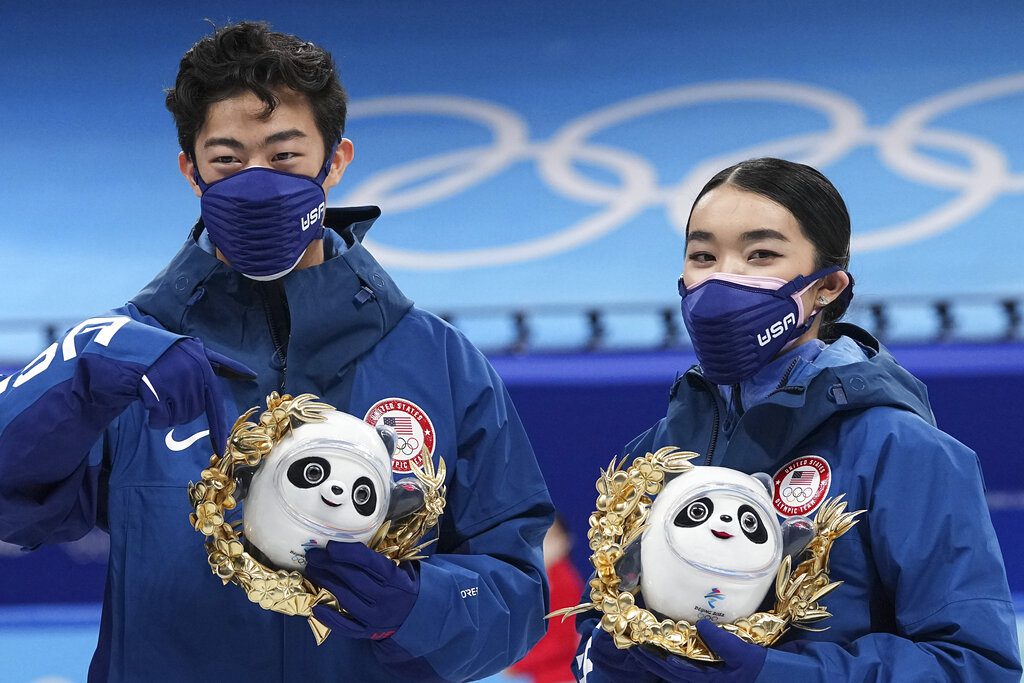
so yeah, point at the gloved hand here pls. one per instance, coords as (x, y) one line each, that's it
(741, 661)
(181, 385)
(601, 662)
(377, 593)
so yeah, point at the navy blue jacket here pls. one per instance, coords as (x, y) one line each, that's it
(352, 338)
(925, 595)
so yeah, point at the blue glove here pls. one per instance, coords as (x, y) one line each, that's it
(376, 593)
(741, 661)
(601, 662)
(181, 385)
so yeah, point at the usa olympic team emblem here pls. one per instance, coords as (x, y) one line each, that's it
(801, 485)
(414, 429)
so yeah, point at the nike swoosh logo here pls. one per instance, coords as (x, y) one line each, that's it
(175, 445)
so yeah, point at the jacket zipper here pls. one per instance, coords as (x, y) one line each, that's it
(787, 390)
(714, 423)
(717, 419)
(714, 438)
(280, 349)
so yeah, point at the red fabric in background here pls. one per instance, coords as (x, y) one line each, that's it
(549, 660)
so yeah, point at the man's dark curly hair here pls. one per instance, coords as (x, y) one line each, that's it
(249, 56)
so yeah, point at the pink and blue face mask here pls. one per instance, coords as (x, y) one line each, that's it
(739, 323)
(263, 220)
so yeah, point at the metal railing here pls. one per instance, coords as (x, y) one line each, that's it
(972, 318)
(969, 318)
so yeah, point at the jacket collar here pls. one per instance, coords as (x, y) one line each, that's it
(775, 426)
(338, 309)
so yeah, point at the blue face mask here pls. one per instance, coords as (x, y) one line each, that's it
(739, 323)
(262, 220)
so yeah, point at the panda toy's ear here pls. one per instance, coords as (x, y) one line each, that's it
(407, 497)
(628, 567)
(766, 480)
(669, 476)
(243, 478)
(388, 436)
(797, 532)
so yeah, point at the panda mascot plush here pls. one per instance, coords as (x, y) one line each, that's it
(713, 545)
(324, 481)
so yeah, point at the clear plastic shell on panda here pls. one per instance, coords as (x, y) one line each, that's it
(324, 481)
(712, 547)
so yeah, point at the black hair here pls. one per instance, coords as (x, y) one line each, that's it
(814, 202)
(248, 56)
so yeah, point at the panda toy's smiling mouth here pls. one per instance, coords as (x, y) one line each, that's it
(333, 505)
(721, 534)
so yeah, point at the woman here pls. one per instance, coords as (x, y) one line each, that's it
(782, 388)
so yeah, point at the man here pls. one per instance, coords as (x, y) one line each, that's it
(107, 426)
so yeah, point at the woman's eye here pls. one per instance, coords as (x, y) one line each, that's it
(761, 254)
(702, 257)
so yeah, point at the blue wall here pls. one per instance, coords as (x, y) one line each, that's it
(533, 152)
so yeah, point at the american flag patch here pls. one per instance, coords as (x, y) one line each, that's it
(802, 477)
(800, 486)
(400, 423)
(413, 430)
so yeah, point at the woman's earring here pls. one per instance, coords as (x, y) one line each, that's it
(822, 301)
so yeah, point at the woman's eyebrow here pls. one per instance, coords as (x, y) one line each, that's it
(748, 236)
(763, 234)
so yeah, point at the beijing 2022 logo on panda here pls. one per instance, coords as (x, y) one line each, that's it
(413, 428)
(801, 485)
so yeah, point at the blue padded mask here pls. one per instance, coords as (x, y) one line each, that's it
(739, 323)
(262, 220)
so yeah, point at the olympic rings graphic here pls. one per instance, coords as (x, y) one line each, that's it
(797, 493)
(407, 446)
(424, 181)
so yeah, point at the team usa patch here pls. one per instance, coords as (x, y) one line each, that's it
(414, 429)
(801, 485)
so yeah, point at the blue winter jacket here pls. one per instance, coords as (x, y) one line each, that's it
(347, 334)
(924, 594)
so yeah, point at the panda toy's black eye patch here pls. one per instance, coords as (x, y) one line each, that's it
(694, 514)
(306, 473)
(364, 496)
(751, 524)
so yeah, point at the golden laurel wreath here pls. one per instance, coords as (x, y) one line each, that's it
(623, 505)
(289, 592)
